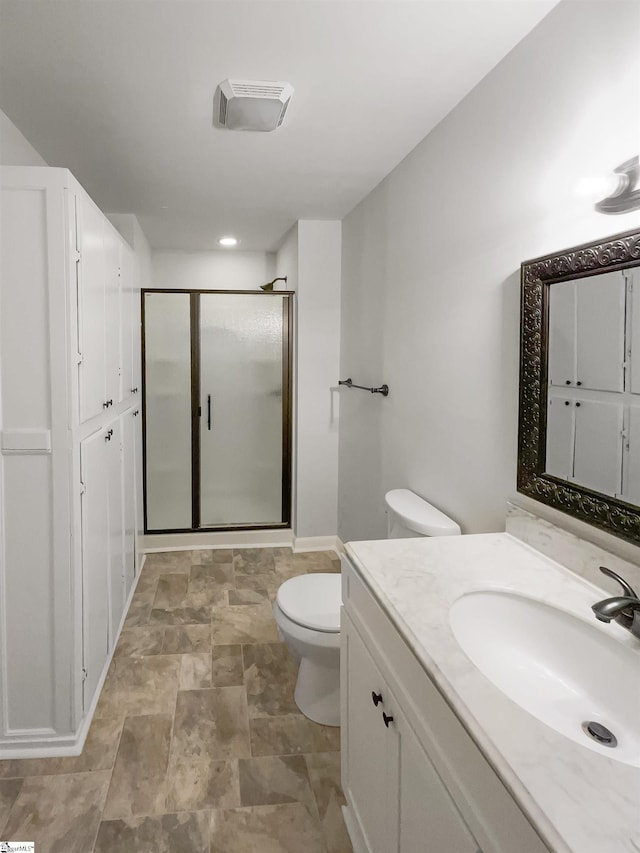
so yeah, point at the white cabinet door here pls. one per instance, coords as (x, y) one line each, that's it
(600, 332)
(429, 819)
(562, 333)
(95, 560)
(112, 246)
(371, 782)
(632, 474)
(633, 277)
(113, 451)
(126, 321)
(559, 457)
(91, 310)
(129, 421)
(598, 446)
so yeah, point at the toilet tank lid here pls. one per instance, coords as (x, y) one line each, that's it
(420, 516)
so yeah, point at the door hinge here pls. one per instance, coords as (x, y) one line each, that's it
(84, 673)
(78, 358)
(78, 256)
(83, 488)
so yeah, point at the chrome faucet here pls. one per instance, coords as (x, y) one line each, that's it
(624, 609)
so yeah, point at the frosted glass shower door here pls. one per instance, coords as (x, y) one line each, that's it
(241, 424)
(167, 348)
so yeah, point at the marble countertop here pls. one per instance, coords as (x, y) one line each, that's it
(578, 799)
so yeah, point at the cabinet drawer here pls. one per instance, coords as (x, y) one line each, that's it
(493, 816)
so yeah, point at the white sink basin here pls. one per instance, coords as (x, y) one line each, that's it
(554, 665)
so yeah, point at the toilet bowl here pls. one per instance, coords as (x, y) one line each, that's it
(307, 610)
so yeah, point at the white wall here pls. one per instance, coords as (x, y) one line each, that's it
(310, 257)
(319, 274)
(430, 293)
(15, 149)
(129, 227)
(219, 270)
(287, 259)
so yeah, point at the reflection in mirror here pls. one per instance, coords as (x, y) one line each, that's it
(579, 425)
(593, 402)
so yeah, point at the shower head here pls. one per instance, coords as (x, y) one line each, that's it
(269, 286)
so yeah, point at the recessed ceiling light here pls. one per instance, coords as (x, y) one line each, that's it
(228, 241)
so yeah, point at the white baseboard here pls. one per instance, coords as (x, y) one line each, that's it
(357, 840)
(280, 538)
(155, 542)
(316, 543)
(44, 747)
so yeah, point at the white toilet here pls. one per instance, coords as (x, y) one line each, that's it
(307, 610)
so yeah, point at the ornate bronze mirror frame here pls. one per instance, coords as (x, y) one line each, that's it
(614, 253)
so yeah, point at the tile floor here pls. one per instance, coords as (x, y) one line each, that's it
(196, 744)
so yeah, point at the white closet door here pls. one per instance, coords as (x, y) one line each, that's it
(598, 446)
(600, 335)
(635, 331)
(129, 423)
(116, 529)
(632, 472)
(126, 321)
(559, 458)
(95, 560)
(91, 310)
(562, 333)
(112, 315)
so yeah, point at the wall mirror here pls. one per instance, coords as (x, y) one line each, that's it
(579, 418)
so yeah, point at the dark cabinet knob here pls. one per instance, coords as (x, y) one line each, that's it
(105, 405)
(376, 698)
(387, 719)
(578, 383)
(566, 402)
(578, 405)
(568, 382)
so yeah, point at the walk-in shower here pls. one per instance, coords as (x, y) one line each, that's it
(217, 383)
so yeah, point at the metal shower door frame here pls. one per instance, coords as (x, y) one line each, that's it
(196, 413)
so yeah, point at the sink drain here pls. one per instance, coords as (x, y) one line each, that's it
(599, 733)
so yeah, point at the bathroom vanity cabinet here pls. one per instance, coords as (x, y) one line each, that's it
(414, 780)
(70, 461)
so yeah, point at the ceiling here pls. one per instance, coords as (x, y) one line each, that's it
(121, 92)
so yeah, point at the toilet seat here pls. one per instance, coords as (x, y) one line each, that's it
(312, 601)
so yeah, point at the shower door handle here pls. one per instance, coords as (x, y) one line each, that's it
(209, 411)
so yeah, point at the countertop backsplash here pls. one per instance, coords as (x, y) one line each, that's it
(582, 557)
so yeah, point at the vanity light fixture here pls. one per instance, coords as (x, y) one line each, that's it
(228, 242)
(626, 196)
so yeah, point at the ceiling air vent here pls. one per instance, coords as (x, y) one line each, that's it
(250, 104)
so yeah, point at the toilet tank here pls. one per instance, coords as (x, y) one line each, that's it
(408, 515)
